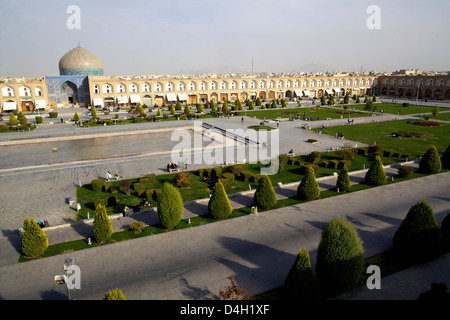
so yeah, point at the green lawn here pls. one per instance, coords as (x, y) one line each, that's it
(381, 133)
(312, 113)
(393, 108)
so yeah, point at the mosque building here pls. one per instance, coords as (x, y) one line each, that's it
(81, 82)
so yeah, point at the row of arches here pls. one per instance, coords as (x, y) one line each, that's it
(202, 85)
(23, 91)
(416, 92)
(414, 82)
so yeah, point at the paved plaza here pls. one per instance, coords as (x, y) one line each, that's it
(192, 263)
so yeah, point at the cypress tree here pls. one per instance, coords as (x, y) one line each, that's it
(94, 113)
(187, 109)
(225, 109)
(219, 205)
(158, 112)
(376, 174)
(34, 241)
(445, 160)
(265, 196)
(101, 227)
(419, 237)
(343, 181)
(172, 110)
(213, 106)
(308, 189)
(340, 257)
(430, 162)
(76, 117)
(301, 283)
(170, 206)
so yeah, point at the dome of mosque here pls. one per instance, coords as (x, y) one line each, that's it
(80, 61)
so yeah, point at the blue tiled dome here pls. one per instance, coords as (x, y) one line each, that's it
(80, 61)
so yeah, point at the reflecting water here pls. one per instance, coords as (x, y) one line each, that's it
(83, 149)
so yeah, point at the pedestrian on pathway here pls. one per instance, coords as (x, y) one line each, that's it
(126, 211)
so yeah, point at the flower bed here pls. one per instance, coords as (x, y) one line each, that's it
(426, 124)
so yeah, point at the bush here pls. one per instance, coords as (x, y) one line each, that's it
(170, 206)
(53, 114)
(76, 117)
(314, 157)
(340, 257)
(101, 227)
(138, 227)
(34, 239)
(12, 119)
(152, 194)
(445, 160)
(346, 153)
(229, 176)
(418, 238)
(97, 184)
(23, 120)
(219, 205)
(343, 181)
(308, 189)
(38, 119)
(430, 162)
(115, 294)
(301, 283)
(265, 197)
(405, 171)
(182, 180)
(125, 184)
(376, 174)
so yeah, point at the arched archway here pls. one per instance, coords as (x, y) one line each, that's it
(69, 92)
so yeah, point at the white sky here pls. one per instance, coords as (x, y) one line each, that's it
(203, 36)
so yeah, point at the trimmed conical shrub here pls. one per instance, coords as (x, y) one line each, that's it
(115, 294)
(308, 189)
(340, 258)
(265, 196)
(343, 181)
(419, 237)
(34, 240)
(170, 206)
(12, 119)
(94, 113)
(376, 174)
(301, 283)
(430, 162)
(76, 117)
(219, 205)
(445, 160)
(101, 227)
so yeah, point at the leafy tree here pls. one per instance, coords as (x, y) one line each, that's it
(170, 206)
(283, 103)
(178, 105)
(187, 109)
(323, 101)
(172, 110)
(199, 108)
(219, 205)
(34, 240)
(346, 99)
(343, 181)
(12, 119)
(419, 237)
(435, 111)
(115, 294)
(213, 106)
(265, 196)
(301, 283)
(274, 104)
(445, 160)
(251, 105)
(308, 189)
(430, 162)
(76, 117)
(101, 227)
(376, 174)
(258, 101)
(340, 257)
